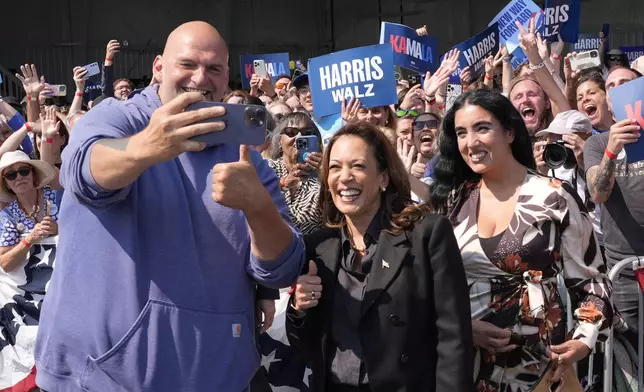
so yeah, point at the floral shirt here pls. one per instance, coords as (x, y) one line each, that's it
(515, 285)
(15, 225)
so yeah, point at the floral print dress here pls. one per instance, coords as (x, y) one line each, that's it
(514, 286)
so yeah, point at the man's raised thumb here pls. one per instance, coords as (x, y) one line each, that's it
(244, 153)
(313, 268)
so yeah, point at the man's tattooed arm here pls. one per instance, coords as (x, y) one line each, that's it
(601, 179)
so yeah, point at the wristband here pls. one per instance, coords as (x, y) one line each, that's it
(432, 101)
(108, 59)
(488, 78)
(465, 87)
(442, 107)
(283, 182)
(26, 243)
(291, 290)
(29, 98)
(28, 127)
(610, 155)
(49, 140)
(555, 56)
(79, 94)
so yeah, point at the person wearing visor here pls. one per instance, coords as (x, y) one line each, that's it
(615, 58)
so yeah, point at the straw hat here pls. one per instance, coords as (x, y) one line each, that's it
(44, 172)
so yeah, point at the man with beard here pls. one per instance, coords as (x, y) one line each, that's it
(163, 240)
(529, 99)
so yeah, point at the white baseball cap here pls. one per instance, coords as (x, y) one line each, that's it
(571, 121)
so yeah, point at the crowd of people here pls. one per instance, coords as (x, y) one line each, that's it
(420, 250)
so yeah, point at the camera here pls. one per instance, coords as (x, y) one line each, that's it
(255, 116)
(594, 53)
(556, 155)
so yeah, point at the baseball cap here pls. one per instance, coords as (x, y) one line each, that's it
(571, 121)
(301, 81)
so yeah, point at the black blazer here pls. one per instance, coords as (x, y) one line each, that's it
(415, 329)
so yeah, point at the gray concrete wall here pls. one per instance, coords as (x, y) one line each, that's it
(57, 35)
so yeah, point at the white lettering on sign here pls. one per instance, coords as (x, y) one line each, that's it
(558, 14)
(356, 71)
(588, 44)
(480, 50)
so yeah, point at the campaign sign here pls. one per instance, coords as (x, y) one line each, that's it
(92, 90)
(366, 73)
(518, 58)
(411, 51)
(475, 50)
(562, 17)
(627, 103)
(276, 64)
(521, 10)
(586, 42)
(633, 52)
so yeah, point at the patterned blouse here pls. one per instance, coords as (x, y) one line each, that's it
(15, 225)
(303, 202)
(515, 286)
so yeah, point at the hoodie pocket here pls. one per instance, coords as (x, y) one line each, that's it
(169, 348)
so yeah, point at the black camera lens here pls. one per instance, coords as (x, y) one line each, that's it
(556, 155)
(255, 116)
(593, 54)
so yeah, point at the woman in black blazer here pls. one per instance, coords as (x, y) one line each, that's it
(383, 305)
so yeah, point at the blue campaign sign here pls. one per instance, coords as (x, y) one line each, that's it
(586, 42)
(562, 17)
(92, 90)
(411, 51)
(366, 73)
(627, 103)
(276, 64)
(633, 52)
(518, 58)
(521, 10)
(475, 50)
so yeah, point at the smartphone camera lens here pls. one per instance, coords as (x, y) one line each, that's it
(593, 54)
(124, 43)
(255, 116)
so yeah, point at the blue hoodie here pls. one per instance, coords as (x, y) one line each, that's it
(153, 284)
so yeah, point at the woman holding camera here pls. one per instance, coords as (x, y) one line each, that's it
(517, 231)
(383, 304)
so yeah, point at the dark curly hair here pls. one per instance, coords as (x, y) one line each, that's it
(451, 170)
(399, 212)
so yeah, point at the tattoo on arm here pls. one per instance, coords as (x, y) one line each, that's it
(116, 144)
(601, 183)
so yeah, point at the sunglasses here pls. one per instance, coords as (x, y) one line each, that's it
(400, 113)
(294, 131)
(13, 174)
(614, 58)
(419, 124)
(280, 85)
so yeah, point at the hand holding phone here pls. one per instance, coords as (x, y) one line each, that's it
(260, 68)
(57, 90)
(245, 124)
(92, 69)
(585, 60)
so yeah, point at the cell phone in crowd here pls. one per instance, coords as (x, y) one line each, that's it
(585, 60)
(260, 68)
(245, 124)
(57, 90)
(606, 29)
(306, 145)
(92, 69)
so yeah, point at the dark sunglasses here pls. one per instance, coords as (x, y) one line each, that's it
(614, 58)
(400, 113)
(13, 174)
(420, 124)
(294, 131)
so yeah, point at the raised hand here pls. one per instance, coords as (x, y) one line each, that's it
(79, 74)
(350, 109)
(406, 152)
(50, 124)
(32, 84)
(412, 94)
(556, 48)
(308, 289)
(570, 75)
(113, 47)
(466, 75)
(528, 41)
(543, 47)
(266, 85)
(422, 30)
(623, 132)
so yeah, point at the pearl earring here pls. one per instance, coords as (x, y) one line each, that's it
(382, 189)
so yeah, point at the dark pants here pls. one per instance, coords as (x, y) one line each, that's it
(626, 299)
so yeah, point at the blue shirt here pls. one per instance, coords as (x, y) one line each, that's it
(154, 283)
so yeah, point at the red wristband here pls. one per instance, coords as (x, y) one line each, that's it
(29, 98)
(26, 243)
(432, 102)
(79, 94)
(28, 127)
(555, 56)
(488, 78)
(282, 182)
(49, 140)
(108, 59)
(611, 155)
(291, 291)
(442, 107)
(465, 87)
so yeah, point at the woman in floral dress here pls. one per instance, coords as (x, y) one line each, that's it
(517, 231)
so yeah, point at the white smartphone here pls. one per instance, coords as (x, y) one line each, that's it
(92, 69)
(585, 60)
(58, 90)
(260, 68)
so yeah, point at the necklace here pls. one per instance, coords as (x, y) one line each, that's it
(33, 215)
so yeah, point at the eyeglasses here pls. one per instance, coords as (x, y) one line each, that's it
(294, 131)
(303, 91)
(400, 113)
(13, 174)
(425, 123)
(280, 85)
